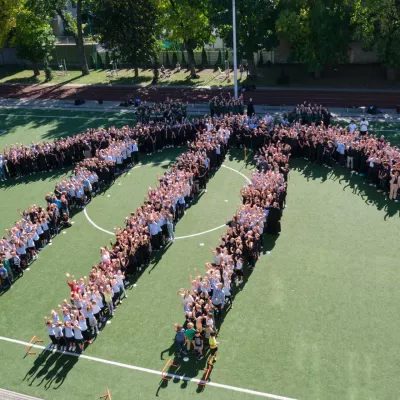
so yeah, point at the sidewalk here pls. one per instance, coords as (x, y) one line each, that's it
(199, 109)
(212, 87)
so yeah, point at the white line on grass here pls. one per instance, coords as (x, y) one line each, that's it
(65, 117)
(151, 371)
(177, 237)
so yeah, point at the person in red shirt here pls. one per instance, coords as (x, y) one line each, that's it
(73, 285)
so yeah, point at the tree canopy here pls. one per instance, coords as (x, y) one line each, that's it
(319, 31)
(33, 38)
(128, 28)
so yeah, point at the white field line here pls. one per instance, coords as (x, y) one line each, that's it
(177, 237)
(150, 371)
(65, 117)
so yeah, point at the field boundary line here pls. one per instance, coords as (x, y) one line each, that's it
(66, 117)
(177, 237)
(151, 371)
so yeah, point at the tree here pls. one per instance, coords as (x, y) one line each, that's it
(129, 28)
(255, 25)
(319, 31)
(204, 60)
(8, 13)
(187, 21)
(33, 39)
(183, 59)
(52, 8)
(377, 24)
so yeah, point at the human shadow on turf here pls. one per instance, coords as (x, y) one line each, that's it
(358, 185)
(50, 369)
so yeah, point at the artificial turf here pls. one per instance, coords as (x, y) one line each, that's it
(315, 320)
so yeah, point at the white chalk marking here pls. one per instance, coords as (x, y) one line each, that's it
(150, 371)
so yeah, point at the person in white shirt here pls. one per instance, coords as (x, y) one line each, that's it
(352, 127)
(364, 126)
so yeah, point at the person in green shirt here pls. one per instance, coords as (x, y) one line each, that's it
(189, 335)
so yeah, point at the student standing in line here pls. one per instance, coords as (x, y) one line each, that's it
(213, 348)
(50, 331)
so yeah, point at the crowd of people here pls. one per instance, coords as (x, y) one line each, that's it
(101, 154)
(95, 298)
(263, 200)
(308, 113)
(167, 111)
(224, 104)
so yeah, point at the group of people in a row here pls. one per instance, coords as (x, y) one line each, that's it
(224, 104)
(367, 155)
(307, 113)
(95, 299)
(204, 304)
(167, 111)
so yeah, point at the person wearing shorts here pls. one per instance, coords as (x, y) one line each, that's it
(189, 335)
(213, 348)
(198, 345)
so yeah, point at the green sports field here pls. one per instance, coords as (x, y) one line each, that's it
(317, 319)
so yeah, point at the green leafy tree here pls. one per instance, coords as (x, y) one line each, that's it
(204, 60)
(188, 22)
(33, 39)
(319, 31)
(226, 55)
(129, 28)
(53, 8)
(377, 24)
(8, 13)
(255, 25)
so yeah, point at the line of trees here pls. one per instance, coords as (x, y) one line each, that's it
(319, 30)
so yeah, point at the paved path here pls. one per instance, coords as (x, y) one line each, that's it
(265, 96)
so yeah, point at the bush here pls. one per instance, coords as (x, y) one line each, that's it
(204, 60)
(219, 60)
(167, 61)
(261, 59)
(184, 63)
(174, 59)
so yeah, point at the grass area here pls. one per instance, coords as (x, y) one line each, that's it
(208, 77)
(336, 76)
(25, 126)
(313, 321)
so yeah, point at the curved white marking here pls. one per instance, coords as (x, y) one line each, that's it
(238, 172)
(96, 226)
(201, 233)
(176, 237)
